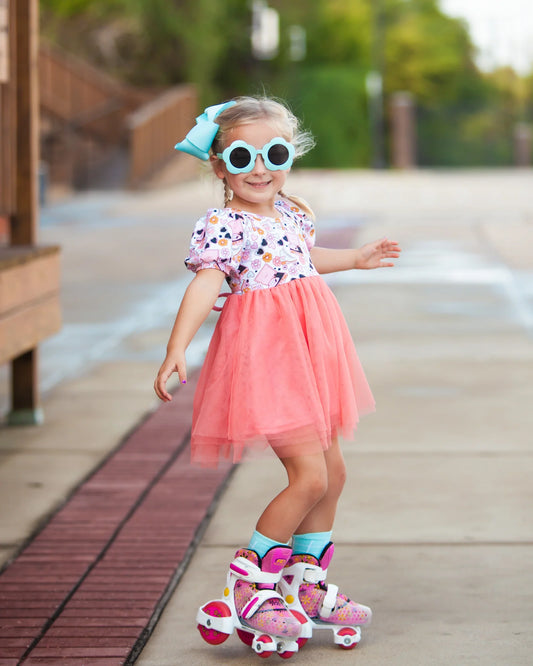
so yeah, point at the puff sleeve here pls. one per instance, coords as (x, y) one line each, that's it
(216, 242)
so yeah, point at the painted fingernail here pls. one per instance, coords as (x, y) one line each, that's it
(184, 381)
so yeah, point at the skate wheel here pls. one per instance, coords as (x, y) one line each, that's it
(301, 642)
(246, 637)
(260, 646)
(348, 634)
(210, 635)
(286, 655)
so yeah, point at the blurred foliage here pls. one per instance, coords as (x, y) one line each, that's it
(427, 53)
(144, 42)
(331, 101)
(465, 117)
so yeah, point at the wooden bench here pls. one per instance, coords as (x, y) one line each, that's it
(29, 272)
(29, 313)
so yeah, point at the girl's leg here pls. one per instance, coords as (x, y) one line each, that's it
(268, 548)
(308, 485)
(312, 546)
(322, 515)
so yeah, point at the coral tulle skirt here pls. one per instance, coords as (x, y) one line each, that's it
(281, 372)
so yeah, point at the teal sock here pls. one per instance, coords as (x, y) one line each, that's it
(262, 544)
(312, 543)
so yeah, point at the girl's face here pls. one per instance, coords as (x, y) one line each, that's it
(255, 191)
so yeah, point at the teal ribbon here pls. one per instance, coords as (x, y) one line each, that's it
(199, 140)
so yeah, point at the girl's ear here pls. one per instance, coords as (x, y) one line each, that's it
(218, 166)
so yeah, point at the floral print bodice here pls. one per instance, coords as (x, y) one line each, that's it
(254, 252)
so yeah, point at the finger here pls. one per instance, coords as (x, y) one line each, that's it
(182, 372)
(161, 392)
(160, 386)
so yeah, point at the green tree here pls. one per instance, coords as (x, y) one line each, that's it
(419, 49)
(154, 42)
(427, 53)
(464, 116)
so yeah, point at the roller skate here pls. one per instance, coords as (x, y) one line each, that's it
(251, 605)
(304, 590)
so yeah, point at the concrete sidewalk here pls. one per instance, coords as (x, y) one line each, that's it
(434, 528)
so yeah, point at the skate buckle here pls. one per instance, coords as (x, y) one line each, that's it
(329, 602)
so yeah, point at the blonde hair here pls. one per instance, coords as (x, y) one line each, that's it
(251, 109)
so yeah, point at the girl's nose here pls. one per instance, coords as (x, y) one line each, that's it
(259, 166)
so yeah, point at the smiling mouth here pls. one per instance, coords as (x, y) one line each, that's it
(261, 184)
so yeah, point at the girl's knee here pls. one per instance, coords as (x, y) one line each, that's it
(317, 484)
(308, 478)
(310, 483)
(336, 476)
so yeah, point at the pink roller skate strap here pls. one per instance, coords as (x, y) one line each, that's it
(246, 570)
(257, 601)
(275, 559)
(250, 608)
(238, 570)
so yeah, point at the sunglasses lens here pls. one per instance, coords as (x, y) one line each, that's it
(240, 157)
(278, 154)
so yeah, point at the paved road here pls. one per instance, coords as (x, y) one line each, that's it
(434, 530)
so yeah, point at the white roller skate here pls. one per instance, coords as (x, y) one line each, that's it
(251, 605)
(304, 590)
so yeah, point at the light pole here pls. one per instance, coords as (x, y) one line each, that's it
(374, 84)
(265, 31)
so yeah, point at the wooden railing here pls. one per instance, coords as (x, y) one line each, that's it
(82, 101)
(81, 96)
(156, 127)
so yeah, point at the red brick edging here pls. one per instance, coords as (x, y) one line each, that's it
(90, 587)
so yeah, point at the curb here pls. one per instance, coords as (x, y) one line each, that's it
(91, 585)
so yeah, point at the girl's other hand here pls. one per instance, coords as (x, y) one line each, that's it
(170, 365)
(373, 255)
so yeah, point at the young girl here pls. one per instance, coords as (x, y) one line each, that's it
(281, 370)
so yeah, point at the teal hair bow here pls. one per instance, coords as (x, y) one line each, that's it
(198, 141)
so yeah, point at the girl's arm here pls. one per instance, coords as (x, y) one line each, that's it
(371, 255)
(198, 300)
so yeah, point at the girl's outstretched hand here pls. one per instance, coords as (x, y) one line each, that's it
(374, 255)
(171, 364)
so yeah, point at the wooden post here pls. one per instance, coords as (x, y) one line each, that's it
(4, 42)
(24, 369)
(403, 131)
(24, 222)
(8, 115)
(522, 145)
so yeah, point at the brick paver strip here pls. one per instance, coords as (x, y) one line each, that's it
(90, 587)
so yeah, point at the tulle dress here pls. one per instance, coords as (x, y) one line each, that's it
(281, 371)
